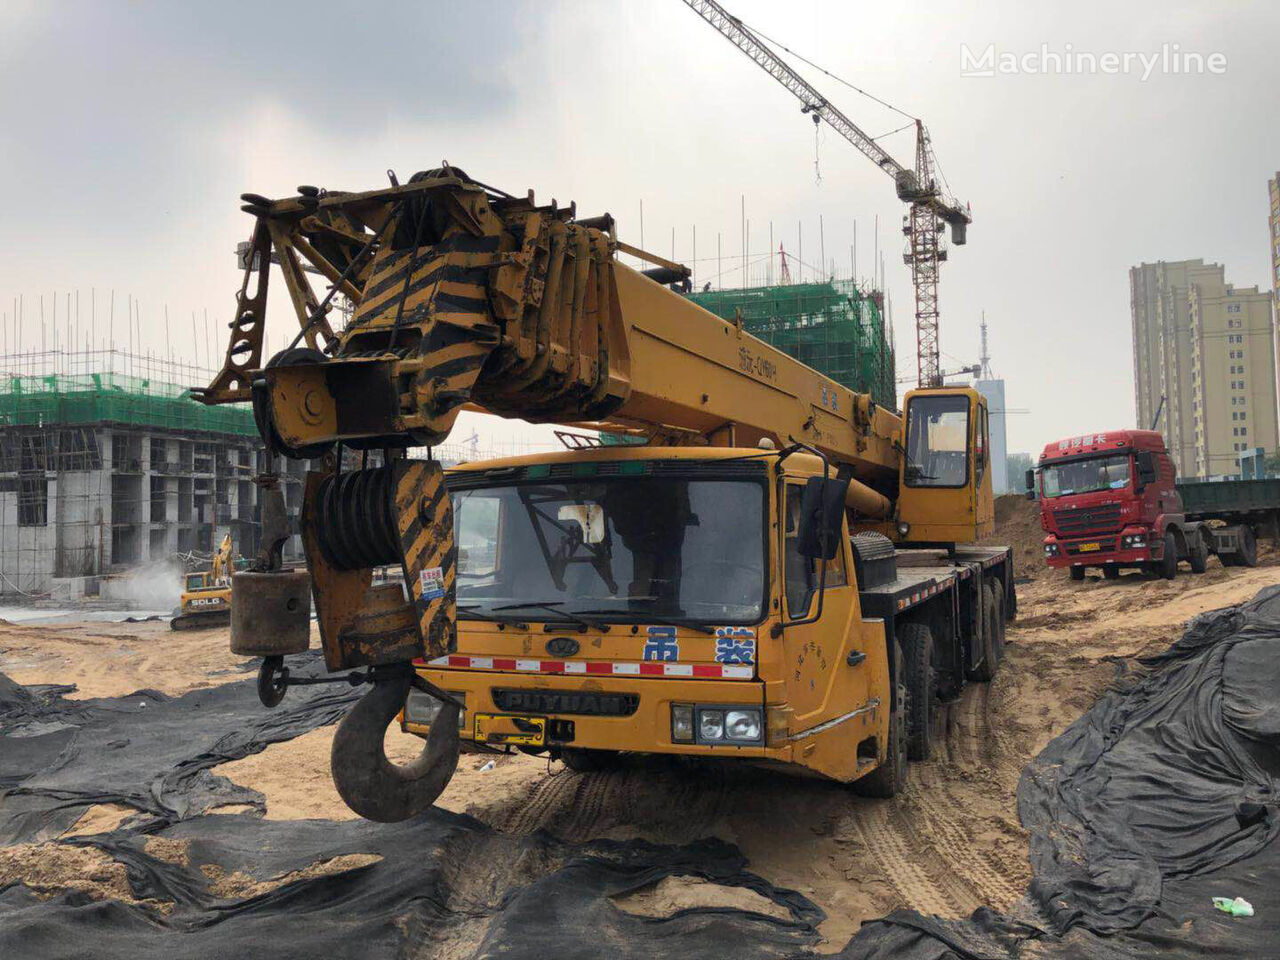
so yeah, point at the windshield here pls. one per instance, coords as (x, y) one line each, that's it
(937, 442)
(1086, 476)
(633, 549)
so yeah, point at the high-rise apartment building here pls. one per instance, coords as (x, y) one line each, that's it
(1162, 352)
(1273, 235)
(1208, 349)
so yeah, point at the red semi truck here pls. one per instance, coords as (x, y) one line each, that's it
(1112, 500)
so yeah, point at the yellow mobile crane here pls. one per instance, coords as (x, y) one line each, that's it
(782, 571)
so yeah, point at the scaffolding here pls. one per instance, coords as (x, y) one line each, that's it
(833, 327)
(113, 398)
(106, 462)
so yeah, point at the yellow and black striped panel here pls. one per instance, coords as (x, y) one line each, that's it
(424, 517)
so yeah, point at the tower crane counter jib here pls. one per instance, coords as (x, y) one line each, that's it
(469, 297)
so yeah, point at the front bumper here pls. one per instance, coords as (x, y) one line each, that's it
(1111, 549)
(645, 729)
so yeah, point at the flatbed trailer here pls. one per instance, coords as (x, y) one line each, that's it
(1235, 514)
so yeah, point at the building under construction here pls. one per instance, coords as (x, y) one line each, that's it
(101, 470)
(833, 327)
(106, 463)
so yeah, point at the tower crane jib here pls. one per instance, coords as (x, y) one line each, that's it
(917, 186)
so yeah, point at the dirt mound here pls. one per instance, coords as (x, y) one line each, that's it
(1018, 526)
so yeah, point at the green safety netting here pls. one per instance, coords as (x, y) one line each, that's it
(832, 327)
(114, 398)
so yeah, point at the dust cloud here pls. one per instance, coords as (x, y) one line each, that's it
(152, 586)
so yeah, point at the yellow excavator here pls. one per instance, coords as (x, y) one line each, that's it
(778, 572)
(206, 594)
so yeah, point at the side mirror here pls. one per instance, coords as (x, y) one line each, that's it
(1031, 484)
(1146, 468)
(821, 517)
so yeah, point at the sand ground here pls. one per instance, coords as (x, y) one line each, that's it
(949, 843)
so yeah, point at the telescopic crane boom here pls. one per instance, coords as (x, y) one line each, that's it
(917, 186)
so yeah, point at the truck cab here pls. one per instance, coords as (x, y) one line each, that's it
(1110, 500)
(664, 600)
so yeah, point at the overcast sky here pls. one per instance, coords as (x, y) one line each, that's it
(131, 128)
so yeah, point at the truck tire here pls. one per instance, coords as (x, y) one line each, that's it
(997, 594)
(1111, 571)
(1077, 573)
(1248, 555)
(992, 639)
(1168, 566)
(890, 777)
(922, 683)
(1198, 554)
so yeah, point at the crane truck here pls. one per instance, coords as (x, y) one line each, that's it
(780, 572)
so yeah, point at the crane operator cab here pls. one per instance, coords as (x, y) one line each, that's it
(945, 494)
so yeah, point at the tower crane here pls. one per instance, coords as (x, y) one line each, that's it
(930, 206)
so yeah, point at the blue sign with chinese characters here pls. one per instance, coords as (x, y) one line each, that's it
(735, 645)
(662, 645)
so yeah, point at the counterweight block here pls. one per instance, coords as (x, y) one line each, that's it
(270, 613)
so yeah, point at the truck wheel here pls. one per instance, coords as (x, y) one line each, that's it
(1248, 556)
(588, 761)
(1199, 554)
(1111, 572)
(922, 683)
(1077, 573)
(997, 594)
(890, 777)
(1168, 567)
(992, 635)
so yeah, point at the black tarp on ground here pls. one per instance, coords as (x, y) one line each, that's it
(147, 750)
(1159, 798)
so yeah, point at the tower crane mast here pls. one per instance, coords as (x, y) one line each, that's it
(918, 186)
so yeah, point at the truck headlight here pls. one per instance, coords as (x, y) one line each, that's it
(422, 708)
(742, 725)
(1050, 549)
(711, 724)
(1134, 540)
(714, 724)
(681, 723)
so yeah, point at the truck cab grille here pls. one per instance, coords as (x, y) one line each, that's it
(1081, 521)
(584, 703)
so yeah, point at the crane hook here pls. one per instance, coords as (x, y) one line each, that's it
(372, 785)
